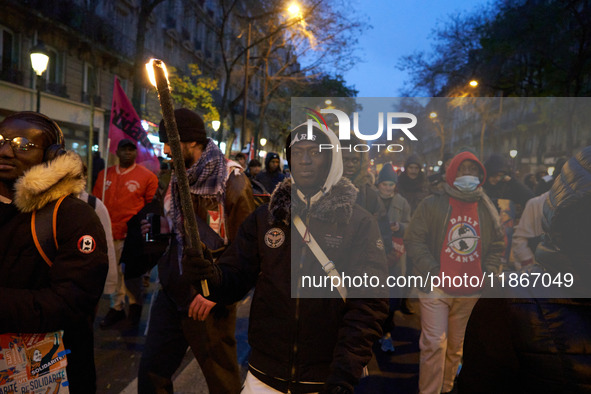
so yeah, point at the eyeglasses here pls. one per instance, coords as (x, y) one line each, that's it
(18, 143)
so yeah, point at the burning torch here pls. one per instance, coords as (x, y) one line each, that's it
(159, 78)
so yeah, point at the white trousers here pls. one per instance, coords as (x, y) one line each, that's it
(254, 386)
(443, 325)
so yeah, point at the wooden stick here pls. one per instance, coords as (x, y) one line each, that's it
(192, 239)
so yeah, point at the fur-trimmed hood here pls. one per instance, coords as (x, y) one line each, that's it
(334, 206)
(49, 181)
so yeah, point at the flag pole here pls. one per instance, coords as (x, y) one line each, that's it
(192, 239)
(105, 170)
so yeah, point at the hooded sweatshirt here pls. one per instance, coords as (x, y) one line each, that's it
(455, 232)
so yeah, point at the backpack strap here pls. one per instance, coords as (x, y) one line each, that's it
(92, 201)
(44, 230)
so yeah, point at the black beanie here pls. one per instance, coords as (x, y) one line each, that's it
(190, 125)
(495, 164)
(387, 174)
(413, 159)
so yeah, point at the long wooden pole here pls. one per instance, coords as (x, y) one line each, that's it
(192, 239)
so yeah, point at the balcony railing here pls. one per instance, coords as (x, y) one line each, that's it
(10, 75)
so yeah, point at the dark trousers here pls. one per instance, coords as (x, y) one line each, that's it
(213, 343)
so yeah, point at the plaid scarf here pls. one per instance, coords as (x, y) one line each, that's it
(207, 179)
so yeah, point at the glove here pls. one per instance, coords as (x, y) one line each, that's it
(196, 268)
(331, 388)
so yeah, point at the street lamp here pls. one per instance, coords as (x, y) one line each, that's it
(216, 125)
(39, 60)
(473, 83)
(294, 10)
(513, 154)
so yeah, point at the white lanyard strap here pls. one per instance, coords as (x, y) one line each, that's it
(327, 265)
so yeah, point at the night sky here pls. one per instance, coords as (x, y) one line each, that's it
(399, 28)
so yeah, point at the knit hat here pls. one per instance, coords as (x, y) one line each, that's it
(387, 174)
(495, 164)
(413, 159)
(190, 125)
(270, 156)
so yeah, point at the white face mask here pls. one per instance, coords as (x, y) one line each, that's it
(466, 183)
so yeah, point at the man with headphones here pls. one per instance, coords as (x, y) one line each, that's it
(42, 292)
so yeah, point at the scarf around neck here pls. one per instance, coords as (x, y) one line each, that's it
(207, 179)
(477, 195)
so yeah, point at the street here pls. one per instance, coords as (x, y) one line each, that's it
(118, 351)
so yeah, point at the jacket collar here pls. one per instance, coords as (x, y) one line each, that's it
(335, 206)
(49, 181)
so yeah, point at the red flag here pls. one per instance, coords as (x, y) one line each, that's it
(125, 123)
(251, 152)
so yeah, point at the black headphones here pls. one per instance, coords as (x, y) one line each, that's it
(58, 148)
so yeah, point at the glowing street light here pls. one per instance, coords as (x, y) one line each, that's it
(39, 61)
(513, 153)
(263, 141)
(294, 10)
(433, 115)
(473, 83)
(215, 124)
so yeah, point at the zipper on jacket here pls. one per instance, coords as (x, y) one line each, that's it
(297, 308)
(292, 376)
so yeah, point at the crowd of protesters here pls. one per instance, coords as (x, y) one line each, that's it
(330, 214)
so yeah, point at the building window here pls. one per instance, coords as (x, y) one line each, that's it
(8, 57)
(90, 84)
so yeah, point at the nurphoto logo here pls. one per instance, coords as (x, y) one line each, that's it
(391, 125)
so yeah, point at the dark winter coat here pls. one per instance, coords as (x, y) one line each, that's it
(37, 298)
(270, 179)
(367, 197)
(413, 190)
(540, 345)
(426, 234)
(306, 339)
(510, 189)
(239, 204)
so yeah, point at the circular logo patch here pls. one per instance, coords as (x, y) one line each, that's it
(463, 239)
(86, 244)
(274, 238)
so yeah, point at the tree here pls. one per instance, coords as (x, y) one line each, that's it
(449, 62)
(324, 37)
(146, 8)
(322, 34)
(194, 92)
(514, 48)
